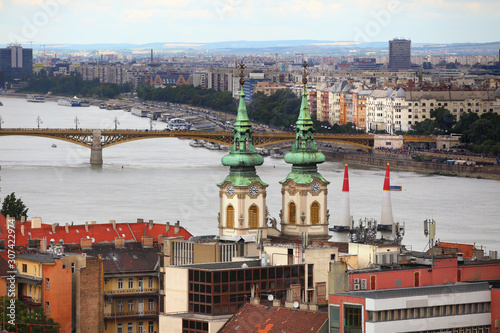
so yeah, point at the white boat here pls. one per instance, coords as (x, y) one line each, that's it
(178, 124)
(139, 112)
(35, 98)
(212, 146)
(196, 143)
(68, 102)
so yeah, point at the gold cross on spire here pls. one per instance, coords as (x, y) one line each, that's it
(242, 74)
(304, 75)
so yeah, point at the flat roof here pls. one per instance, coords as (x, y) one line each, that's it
(419, 291)
(223, 265)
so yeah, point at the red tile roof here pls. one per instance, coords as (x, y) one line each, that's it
(101, 233)
(265, 319)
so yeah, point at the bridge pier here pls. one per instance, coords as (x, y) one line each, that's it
(96, 149)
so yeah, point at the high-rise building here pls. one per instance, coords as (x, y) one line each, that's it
(15, 60)
(399, 54)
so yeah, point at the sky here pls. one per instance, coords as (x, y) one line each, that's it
(202, 21)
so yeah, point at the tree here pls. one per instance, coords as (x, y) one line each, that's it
(13, 207)
(24, 315)
(444, 119)
(465, 121)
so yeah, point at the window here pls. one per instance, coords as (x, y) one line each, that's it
(151, 327)
(253, 216)
(150, 283)
(120, 283)
(130, 306)
(72, 267)
(315, 213)
(130, 283)
(130, 328)
(140, 283)
(292, 213)
(334, 319)
(47, 283)
(230, 216)
(151, 304)
(47, 309)
(25, 268)
(120, 306)
(140, 327)
(119, 328)
(352, 317)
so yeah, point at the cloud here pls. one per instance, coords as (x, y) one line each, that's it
(138, 15)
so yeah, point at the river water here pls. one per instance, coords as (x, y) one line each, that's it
(167, 180)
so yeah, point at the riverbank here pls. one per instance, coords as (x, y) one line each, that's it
(405, 164)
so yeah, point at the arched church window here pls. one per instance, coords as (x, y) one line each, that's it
(230, 216)
(292, 213)
(315, 213)
(253, 217)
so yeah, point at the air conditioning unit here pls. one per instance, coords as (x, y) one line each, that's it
(356, 287)
(363, 284)
(355, 281)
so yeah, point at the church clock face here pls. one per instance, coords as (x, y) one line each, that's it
(230, 190)
(254, 190)
(315, 188)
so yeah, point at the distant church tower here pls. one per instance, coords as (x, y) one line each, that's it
(304, 190)
(243, 209)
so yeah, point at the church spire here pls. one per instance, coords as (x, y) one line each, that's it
(242, 153)
(304, 155)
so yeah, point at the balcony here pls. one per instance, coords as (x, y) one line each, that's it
(133, 314)
(29, 301)
(131, 292)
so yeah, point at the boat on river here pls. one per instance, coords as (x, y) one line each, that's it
(35, 98)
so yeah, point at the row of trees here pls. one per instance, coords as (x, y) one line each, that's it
(480, 134)
(75, 85)
(23, 315)
(188, 94)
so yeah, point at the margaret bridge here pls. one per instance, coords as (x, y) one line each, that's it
(97, 139)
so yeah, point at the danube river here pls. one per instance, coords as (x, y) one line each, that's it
(167, 180)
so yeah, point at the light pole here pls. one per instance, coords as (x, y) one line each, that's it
(150, 124)
(76, 122)
(39, 121)
(116, 123)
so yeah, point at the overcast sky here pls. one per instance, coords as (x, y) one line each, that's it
(194, 21)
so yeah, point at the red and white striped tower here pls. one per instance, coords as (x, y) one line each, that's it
(386, 218)
(345, 206)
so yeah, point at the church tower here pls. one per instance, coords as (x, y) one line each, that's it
(243, 209)
(304, 190)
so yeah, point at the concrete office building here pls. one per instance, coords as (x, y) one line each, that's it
(15, 60)
(399, 54)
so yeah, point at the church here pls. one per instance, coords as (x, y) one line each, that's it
(243, 209)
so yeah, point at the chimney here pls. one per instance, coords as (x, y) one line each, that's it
(168, 227)
(87, 226)
(140, 220)
(147, 241)
(66, 227)
(22, 229)
(113, 222)
(36, 222)
(119, 242)
(54, 226)
(177, 228)
(86, 243)
(151, 224)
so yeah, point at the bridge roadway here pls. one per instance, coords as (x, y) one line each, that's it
(96, 139)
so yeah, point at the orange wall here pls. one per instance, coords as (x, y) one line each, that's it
(340, 300)
(59, 294)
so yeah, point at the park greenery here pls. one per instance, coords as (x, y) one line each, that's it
(24, 317)
(479, 134)
(74, 85)
(13, 207)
